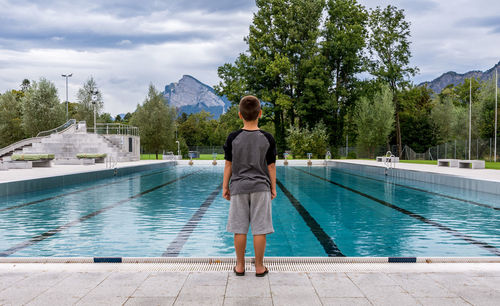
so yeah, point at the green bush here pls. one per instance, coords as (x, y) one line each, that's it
(91, 155)
(302, 141)
(31, 156)
(352, 155)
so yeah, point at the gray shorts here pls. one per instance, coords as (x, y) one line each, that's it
(252, 209)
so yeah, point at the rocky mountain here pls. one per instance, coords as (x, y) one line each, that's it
(454, 78)
(192, 96)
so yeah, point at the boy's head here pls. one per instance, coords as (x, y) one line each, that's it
(250, 108)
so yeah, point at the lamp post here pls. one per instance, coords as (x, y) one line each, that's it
(94, 101)
(178, 147)
(496, 110)
(67, 76)
(470, 114)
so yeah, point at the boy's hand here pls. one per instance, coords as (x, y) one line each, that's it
(225, 193)
(273, 194)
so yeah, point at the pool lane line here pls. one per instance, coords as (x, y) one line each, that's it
(331, 249)
(61, 228)
(422, 190)
(79, 191)
(175, 247)
(469, 239)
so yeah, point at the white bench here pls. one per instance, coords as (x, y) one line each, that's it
(474, 164)
(387, 159)
(447, 162)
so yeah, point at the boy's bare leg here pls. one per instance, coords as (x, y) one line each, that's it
(240, 244)
(259, 244)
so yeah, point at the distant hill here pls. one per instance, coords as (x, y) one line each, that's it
(192, 96)
(454, 78)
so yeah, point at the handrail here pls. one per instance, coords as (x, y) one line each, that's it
(58, 129)
(18, 144)
(114, 129)
(38, 137)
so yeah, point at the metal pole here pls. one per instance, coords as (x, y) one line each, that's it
(496, 113)
(455, 149)
(67, 102)
(346, 145)
(470, 113)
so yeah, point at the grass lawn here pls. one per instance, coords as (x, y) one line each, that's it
(489, 165)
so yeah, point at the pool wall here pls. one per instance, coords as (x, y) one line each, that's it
(423, 176)
(16, 187)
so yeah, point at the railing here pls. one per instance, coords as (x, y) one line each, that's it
(38, 137)
(114, 129)
(58, 129)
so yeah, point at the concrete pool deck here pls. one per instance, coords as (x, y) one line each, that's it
(13, 175)
(156, 284)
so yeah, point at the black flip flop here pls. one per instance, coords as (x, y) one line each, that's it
(238, 273)
(263, 273)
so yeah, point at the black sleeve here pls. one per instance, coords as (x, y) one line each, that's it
(228, 146)
(271, 152)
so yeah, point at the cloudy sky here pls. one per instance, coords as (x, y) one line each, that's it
(128, 44)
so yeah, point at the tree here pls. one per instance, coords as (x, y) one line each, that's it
(41, 108)
(389, 47)
(118, 118)
(11, 112)
(127, 117)
(25, 85)
(85, 110)
(374, 120)
(305, 140)
(443, 116)
(155, 120)
(486, 99)
(105, 118)
(345, 36)
(196, 130)
(282, 46)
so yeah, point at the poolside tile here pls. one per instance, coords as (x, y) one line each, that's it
(27, 289)
(193, 300)
(420, 285)
(440, 301)
(345, 301)
(289, 279)
(248, 301)
(116, 286)
(363, 279)
(394, 299)
(162, 284)
(335, 285)
(71, 290)
(10, 278)
(103, 301)
(298, 295)
(202, 291)
(207, 279)
(150, 301)
(248, 286)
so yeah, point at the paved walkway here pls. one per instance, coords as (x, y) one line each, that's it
(480, 174)
(150, 284)
(13, 175)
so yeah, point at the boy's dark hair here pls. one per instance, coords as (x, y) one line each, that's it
(249, 108)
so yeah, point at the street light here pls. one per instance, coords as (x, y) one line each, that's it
(94, 101)
(178, 147)
(67, 76)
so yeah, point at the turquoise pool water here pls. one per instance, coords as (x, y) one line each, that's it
(319, 211)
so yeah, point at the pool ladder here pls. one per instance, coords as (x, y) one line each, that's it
(389, 162)
(111, 163)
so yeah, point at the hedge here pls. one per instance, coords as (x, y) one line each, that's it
(31, 156)
(91, 155)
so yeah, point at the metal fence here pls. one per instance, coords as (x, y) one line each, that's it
(459, 149)
(207, 149)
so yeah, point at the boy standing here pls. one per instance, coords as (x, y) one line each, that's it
(250, 155)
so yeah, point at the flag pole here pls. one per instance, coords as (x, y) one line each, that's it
(496, 110)
(470, 113)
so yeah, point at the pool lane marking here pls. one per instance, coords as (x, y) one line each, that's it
(177, 244)
(469, 239)
(331, 249)
(78, 191)
(61, 228)
(422, 190)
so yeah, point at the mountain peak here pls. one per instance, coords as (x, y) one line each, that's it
(452, 77)
(189, 95)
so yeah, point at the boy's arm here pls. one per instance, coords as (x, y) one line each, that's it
(225, 183)
(272, 175)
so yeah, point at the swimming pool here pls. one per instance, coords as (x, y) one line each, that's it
(320, 211)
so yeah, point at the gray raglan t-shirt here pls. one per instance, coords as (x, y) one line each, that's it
(250, 151)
